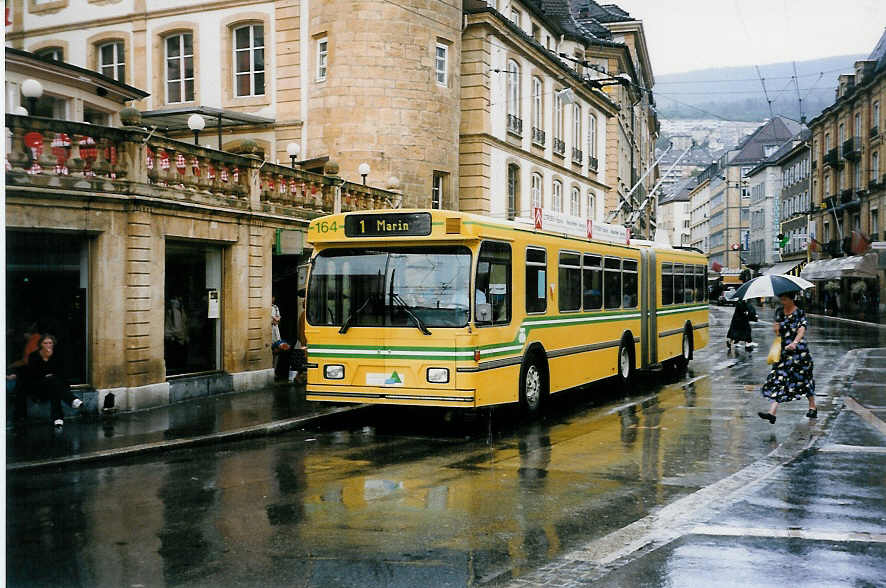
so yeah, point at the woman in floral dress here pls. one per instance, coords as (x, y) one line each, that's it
(791, 376)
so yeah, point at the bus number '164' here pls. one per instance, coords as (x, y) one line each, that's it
(325, 227)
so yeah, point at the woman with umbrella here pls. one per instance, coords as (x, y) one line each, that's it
(791, 376)
(740, 326)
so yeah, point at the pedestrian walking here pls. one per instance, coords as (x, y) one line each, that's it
(740, 326)
(791, 376)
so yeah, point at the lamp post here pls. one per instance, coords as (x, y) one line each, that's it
(292, 149)
(196, 123)
(32, 90)
(363, 170)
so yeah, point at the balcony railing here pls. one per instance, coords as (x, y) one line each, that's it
(852, 148)
(538, 137)
(132, 162)
(559, 146)
(846, 195)
(831, 158)
(592, 163)
(875, 132)
(515, 125)
(577, 156)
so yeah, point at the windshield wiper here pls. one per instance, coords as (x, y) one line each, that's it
(408, 309)
(347, 324)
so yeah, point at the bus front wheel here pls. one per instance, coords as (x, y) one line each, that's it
(682, 361)
(532, 387)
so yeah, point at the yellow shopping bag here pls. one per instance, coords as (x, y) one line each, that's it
(774, 351)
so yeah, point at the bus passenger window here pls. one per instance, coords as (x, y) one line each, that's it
(569, 279)
(678, 283)
(612, 282)
(689, 284)
(700, 289)
(492, 288)
(593, 282)
(667, 283)
(536, 280)
(629, 277)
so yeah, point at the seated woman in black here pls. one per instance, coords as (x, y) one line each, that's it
(45, 379)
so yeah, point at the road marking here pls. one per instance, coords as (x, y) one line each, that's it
(812, 535)
(865, 414)
(838, 448)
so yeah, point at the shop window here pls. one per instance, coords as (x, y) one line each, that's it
(192, 324)
(569, 281)
(592, 275)
(536, 280)
(493, 284)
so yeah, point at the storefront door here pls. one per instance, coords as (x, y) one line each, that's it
(192, 325)
(47, 277)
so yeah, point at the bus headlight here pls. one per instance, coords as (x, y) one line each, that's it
(438, 375)
(334, 372)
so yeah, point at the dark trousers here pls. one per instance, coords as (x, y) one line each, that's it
(52, 388)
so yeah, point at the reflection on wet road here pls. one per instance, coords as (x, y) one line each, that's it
(406, 498)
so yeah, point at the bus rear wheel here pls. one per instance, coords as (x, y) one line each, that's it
(532, 387)
(682, 361)
(625, 364)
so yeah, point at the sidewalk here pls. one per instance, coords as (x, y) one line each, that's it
(268, 411)
(812, 513)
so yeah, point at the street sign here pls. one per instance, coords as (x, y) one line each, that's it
(556, 222)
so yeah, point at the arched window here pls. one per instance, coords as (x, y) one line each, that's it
(557, 197)
(535, 194)
(54, 53)
(558, 117)
(179, 56)
(111, 60)
(249, 60)
(592, 206)
(513, 189)
(537, 90)
(575, 202)
(513, 88)
(592, 135)
(576, 127)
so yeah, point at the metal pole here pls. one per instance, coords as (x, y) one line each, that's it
(219, 130)
(625, 200)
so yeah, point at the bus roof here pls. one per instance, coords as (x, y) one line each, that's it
(403, 225)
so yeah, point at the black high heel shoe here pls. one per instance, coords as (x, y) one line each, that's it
(767, 417)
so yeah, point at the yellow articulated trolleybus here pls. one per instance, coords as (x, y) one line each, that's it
(442, 308)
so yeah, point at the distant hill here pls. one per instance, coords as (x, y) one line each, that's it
(735, 93)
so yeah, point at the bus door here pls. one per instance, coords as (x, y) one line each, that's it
(649, 285)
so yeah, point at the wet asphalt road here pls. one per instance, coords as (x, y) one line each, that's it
(406, 498)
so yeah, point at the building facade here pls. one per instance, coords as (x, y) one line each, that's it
(848, 182)
(795, 202)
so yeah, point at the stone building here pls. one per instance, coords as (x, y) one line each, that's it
(795, 204)
(151, 259)
(848, 181)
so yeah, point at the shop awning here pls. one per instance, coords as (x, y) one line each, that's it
(176, 119)
(857, 266)
(791, 268)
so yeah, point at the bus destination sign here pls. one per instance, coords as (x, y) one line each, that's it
(395, 224)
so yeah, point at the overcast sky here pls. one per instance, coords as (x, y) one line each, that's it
(684, 35)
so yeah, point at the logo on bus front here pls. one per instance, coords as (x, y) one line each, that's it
(377, 379)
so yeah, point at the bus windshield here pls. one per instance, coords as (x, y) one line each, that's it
(413, 287)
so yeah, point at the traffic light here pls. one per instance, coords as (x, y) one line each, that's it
(782, 240)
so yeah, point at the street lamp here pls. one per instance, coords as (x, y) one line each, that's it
(32, 90)
(292, 150)
(196, 123)
(363, 170)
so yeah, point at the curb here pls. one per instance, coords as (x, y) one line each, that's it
(250, 432)
(848, 321)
